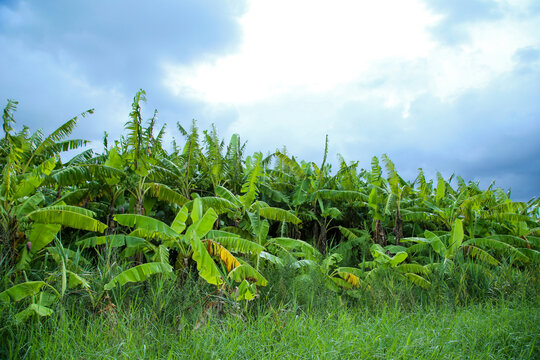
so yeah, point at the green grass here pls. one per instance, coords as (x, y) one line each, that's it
(298, 322)
(474, 332)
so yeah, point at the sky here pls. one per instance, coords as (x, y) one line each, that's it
(449, 86)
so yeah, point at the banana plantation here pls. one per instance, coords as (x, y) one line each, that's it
(143, 221)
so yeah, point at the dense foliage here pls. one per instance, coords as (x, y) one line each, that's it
(91, 228)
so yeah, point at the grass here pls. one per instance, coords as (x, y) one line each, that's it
(292, 319)
(501, 331)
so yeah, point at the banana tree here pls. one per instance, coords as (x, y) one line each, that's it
(315, 197)
(28, 161)
(197, 241)
(45, 223)
(448, 245)
(382, 261)
(67, 275)
(377, 200)
(40, 299)
(398, 189)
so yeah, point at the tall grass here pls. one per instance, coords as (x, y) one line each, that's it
(477, 316)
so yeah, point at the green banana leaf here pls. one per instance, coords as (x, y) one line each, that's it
(138, 273)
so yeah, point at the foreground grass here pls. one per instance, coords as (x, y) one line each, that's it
(503, 330)
(294, 317)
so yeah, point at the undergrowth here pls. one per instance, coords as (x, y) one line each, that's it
(295, 317)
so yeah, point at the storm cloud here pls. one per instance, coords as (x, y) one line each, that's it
(446, 86)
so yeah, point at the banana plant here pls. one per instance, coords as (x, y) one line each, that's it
(246, 209)
(314, 196)
(448, 245)
(28, 162)
(204, 249)
(382, 260)
(40, 299)
(398, 189)
(155, 238)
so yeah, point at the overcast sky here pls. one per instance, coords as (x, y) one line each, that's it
(450, 86)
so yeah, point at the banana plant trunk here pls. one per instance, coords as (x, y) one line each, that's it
(380, 235)
(398, 227)
(323, 238)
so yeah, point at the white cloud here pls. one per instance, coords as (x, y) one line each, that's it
(372, 75)
(323, 47)
(307, 46)
(489, 53)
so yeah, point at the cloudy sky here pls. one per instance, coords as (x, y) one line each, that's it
(450, 86)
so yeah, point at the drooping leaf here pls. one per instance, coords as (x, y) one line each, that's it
(271, 258)
(481, 255)
(33, 309)
(206, 266)
(398, 258)
(67, 218)
(518, 242)
(36, 177)
(351, 275)
(76, 280)
(223, 254)
(165, 193)
(21, 291)
(292, 164)
(296, 244)
(154, 227)
(75, 209)
(239, 245)
(29, 205)
(412, 268)
(532, 254)
(81, 174)
(418, 280)
(161, 255)
(348, 233)
(379, 254)
(41, 235)
(278, 214)
(497, 245)
(335, 283)
(246, 272)
(219, 205)
(111, 240)
(227, 195)
(138, 273)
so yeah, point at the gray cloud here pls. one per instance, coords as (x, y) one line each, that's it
(65, 57)
(484, 135)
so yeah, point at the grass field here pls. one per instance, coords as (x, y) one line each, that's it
(305, 322)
